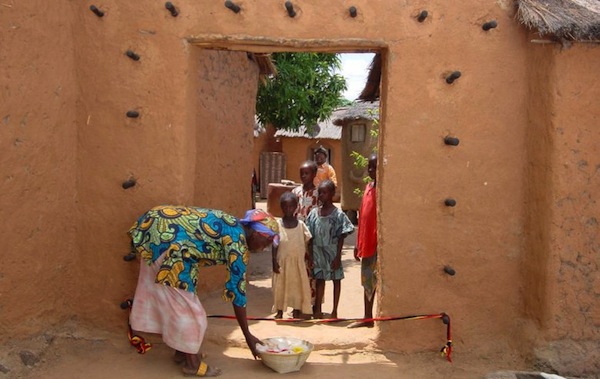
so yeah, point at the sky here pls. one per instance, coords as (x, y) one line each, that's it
(355, 68)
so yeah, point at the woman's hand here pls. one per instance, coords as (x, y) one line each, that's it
(251, 340)
(356, 257)
(240, 315)
(276, 266)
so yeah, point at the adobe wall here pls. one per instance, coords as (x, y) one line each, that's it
(520, 238)
(574, 266)
(38, 167)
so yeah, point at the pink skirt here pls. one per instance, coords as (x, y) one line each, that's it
(176, 314)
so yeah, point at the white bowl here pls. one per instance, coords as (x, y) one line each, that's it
(286, 361)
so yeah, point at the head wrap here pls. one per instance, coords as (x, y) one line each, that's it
(262, 223)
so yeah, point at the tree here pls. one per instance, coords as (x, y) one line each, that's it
(305, 90)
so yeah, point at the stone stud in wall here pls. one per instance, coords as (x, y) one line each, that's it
(96, 11)
(449, 270)
(128, 258)
(132, 114)
(452, 141)
(290, 9)
(450, 202)
(171, 8)
(452, 77)
(489, 25)
(131, 182)
(422, 16)
(232, 6)
(131, 54)
(353, 11)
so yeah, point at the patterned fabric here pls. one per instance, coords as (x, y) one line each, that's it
(307, 200)
(262, 223)
(190, 238)
(326, 231)
(177, 315)
(366, 239)
(325, 171)
(368, 275)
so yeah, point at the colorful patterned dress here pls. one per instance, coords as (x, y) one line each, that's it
(174, 242)
(307, 200)
(326, 232)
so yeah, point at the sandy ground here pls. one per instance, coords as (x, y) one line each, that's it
(339, 351)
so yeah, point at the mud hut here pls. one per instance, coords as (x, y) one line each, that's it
(357, 122)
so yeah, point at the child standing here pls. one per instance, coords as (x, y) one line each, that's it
(290, 279)
(366, 244)
(329, 227)
(308, 198)
(307, 193)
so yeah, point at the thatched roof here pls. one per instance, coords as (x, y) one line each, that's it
(266, 67)
(323, 130)
(371, 90)
(360, 110)
(567, 19)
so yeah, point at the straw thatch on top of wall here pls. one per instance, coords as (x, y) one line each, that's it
(323, 130)
(577, 20)
(266, 67)
(359, 110)
(371, 90)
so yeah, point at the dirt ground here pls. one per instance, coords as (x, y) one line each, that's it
(339, 351)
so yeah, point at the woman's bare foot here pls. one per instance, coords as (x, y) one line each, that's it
(202, 370)
(179, 356)
(194, 366)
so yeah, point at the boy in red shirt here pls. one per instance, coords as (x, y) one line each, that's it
(366, 244)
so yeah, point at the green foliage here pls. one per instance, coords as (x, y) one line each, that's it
(305, 90)
(361, 160)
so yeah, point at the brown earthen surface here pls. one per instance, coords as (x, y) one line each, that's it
(522, 237)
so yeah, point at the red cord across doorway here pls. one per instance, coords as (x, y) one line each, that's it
(446, 350)
(142, 346)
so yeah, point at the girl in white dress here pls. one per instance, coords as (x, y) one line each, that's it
(290, 279)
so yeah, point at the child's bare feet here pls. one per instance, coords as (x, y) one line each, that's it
(362, 324)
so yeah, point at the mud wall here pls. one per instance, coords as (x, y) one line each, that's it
(38, 167)
(574, 264)
(485, 108)
(524, 177)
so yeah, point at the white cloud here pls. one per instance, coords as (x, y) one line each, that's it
(355, 68)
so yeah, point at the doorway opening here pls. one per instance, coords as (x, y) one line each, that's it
(260, 266)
